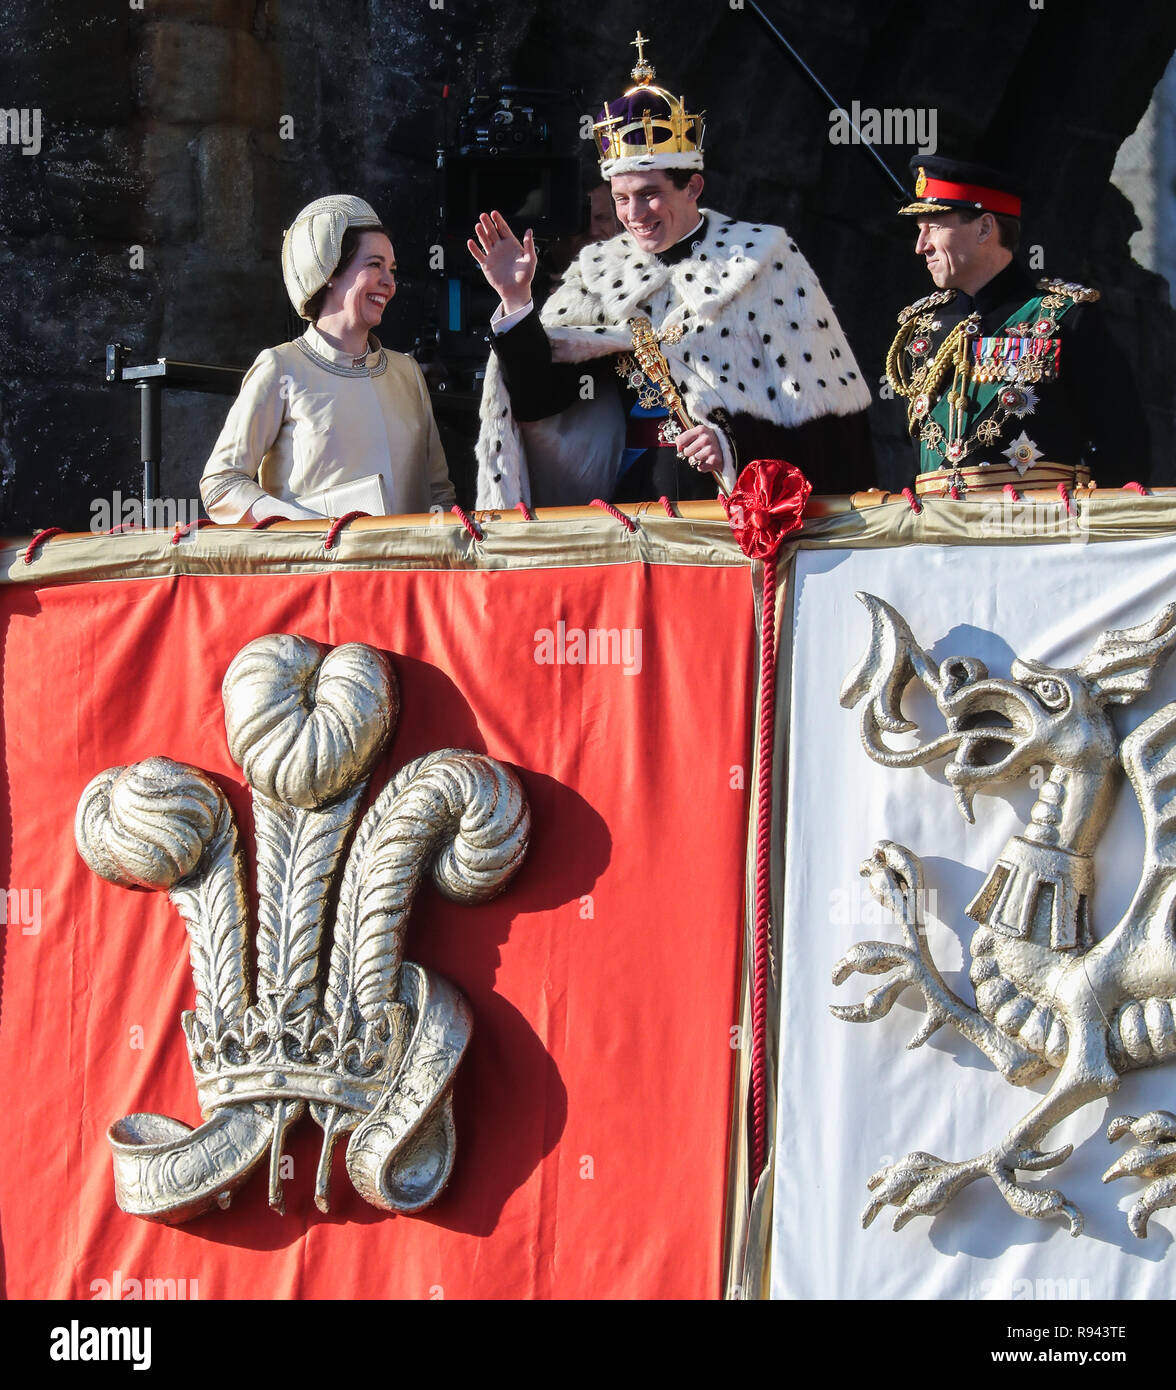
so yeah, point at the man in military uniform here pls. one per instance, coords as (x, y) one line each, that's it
(752, 344)
(1006, 379)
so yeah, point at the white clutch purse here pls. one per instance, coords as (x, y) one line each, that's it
(362, 495)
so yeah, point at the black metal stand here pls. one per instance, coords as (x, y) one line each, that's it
(149, 381)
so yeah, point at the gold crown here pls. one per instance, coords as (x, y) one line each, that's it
(676, 133)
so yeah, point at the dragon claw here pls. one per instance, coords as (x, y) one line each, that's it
(1031, 1161)
(1118, 1127)
(1155, 1126)
(895, 877)
(1137, 1221)
(1154, 1157)
(1156, 1196)
(869, 958)
(896, 881)
(919, 1185)
(922, 1185)
(930, 1025)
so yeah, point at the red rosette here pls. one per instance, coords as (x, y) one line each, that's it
(767, 502)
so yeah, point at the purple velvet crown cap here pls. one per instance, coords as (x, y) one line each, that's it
(638, 102)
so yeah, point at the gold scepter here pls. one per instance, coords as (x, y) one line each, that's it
(652, 361)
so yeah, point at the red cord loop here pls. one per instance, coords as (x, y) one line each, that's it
(1064, 493)
(1136, 487)
(912, 501)
(665, 501)
(528, 515)
(267, 521)
(626, 521)
(1012, 492)
(31, 553)
(954, 493)
(332, 535)
(186, 530)
(468, 522)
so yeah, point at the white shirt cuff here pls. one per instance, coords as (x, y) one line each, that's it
(503, 323)
(725, 448)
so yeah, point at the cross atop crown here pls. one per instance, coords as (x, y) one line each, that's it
(643, 71)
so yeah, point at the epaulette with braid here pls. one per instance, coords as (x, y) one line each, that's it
(929, 301)
(1080, 294)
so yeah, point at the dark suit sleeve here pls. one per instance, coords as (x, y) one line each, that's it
(1104, 402)
(538, 387)
(834, 452)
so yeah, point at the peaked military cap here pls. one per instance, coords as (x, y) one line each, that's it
(950, 185)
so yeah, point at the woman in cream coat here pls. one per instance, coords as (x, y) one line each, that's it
(331, 422)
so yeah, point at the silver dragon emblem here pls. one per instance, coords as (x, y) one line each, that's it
(372, 1055)
(1050, 995)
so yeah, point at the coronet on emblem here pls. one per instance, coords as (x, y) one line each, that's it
(373, 1053)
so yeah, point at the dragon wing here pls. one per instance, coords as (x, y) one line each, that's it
(1148, 755)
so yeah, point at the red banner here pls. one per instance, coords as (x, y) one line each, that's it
(593, 1105)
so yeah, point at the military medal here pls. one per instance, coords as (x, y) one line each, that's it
(940, 384)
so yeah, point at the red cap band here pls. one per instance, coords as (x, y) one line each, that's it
(991, 199)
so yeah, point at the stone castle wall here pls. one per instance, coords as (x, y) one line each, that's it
(178, 137)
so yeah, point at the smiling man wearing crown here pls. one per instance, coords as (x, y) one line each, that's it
(1007, 379)
(753, 347)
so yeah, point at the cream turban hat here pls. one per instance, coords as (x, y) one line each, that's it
(313, 244)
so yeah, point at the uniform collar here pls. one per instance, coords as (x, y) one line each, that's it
(1011, 283)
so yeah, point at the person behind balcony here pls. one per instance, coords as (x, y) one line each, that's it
(1007, 378)
(332, 415)
(753, 344)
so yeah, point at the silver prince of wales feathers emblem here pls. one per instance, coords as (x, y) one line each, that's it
(374, 1053)
(1049, 995)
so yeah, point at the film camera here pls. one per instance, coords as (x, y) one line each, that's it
(515, 150)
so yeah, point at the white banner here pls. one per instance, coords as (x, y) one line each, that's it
(851, 1097)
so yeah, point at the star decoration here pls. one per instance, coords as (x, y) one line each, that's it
(1021, 401)
(1022, 453)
